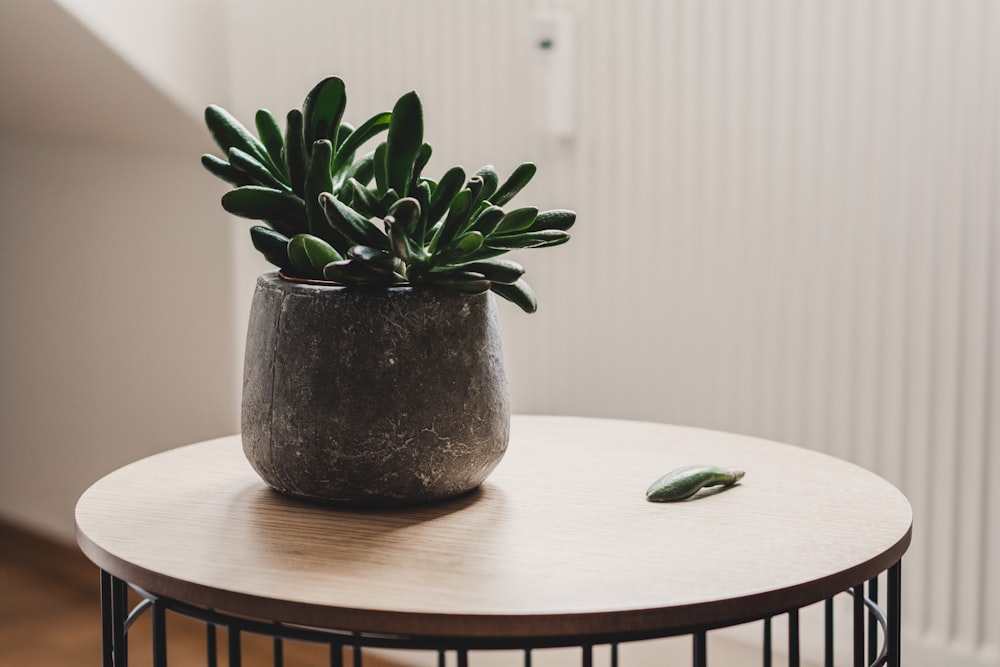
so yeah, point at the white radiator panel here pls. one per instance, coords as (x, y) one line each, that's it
(787, 227)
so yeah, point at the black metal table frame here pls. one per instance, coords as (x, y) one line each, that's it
(117, 619)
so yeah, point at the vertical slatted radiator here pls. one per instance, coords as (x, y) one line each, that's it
(787, 227)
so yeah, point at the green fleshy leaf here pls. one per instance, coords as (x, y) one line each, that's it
(488, 220)
(375, 259)
(454, 223)
(295, 152)
(540, 239)
(477, 203)
(465, 282)
(447, 188)
(381, 172)
(353, 272)
(517, 180)
(366, 131)
(554, 219)
(460, 248)
(271, 244)
(309, 254)
(345, 131)
(270, 135)
(490, 180)
(318, 181)
(469, 242)
(518, 293)
(260, 173)
(406, 136)
(364, 202)
(406, 212)
(322, 111)
(419, 162)
(388, 198)
(230, 133)
(475, 186)
(357, 229)
(496, 270)
(516, 221)
(423, 197)
(402, 245)
(225, 171)
(363, 171)
(401, 223)
(285, 211)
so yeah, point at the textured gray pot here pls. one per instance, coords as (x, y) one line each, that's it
(373, 396)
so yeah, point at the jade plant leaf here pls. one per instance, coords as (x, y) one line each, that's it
(519, 293)
(230, 133)
(490, 179)
(318, 181)
(295, 152)
(356, 139)
(406, 212)
(560, 219)
(376, 259)
(309, 254)
(353, 272)
(447, 188)
(454, 223)
(419, 162)
(225, 171)
(423, 197)
(364, 202)
(322, 111)
(541, 239)
(345, 131)
(284, 210)
(363, 171)
(462, 247)
(518, 220)
(466, 282)
(406, 136)
(381, 169)
(255, 169)
(402, 244)
(271, 244)
(353, 226)
(517, 180)
(488, 220)
(270, 135)
(502, 271)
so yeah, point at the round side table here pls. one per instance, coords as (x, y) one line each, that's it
(558, 548)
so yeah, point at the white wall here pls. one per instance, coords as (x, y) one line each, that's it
(788, 227)
(116, 319)
(115, 309)
(179, 46)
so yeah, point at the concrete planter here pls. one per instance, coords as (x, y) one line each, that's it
(373, 396)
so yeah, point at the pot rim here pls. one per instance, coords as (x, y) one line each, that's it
(332, 283)
(306, 281)
(373, 290)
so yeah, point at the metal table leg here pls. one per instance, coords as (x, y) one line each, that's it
(114, 612)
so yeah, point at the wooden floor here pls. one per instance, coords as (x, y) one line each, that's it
(50, 615)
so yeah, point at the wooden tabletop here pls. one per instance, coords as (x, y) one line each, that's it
(560, 542)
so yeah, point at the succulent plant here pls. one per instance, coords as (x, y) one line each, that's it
(375, 220)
